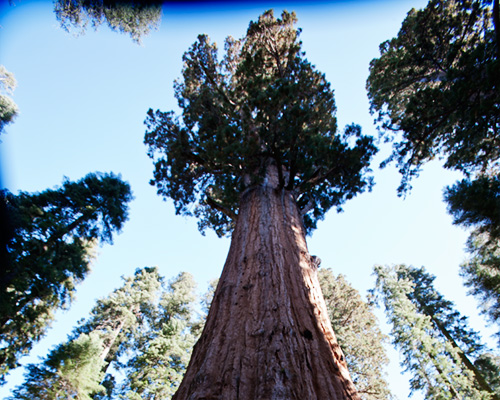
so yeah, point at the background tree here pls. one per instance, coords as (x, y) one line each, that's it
(76, 368)
(358, 334)
(136, 18)
(482, 274)
(72, 370)
(434, 88)
(161, 350)
(489, 365)
(8, 109)
(438, 346)
(257, 152)
(49, 253)
(476, 204)
(435, 91)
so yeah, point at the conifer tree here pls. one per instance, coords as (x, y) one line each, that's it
(438, 346)
(482, 274)
(76, 368)
(434, 88)
(358, 334)
(257, 153)
(435, 92)
(133, 17)
(162, 346)
(48, 253)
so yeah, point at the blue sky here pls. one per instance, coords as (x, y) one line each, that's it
(82, 104)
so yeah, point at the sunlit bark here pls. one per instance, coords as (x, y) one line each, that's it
(268, 335)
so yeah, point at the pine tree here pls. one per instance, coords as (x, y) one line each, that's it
(49, 253)
(76, 368)
(72, 370)
(358, 334)
(257, 153)
(438, 346)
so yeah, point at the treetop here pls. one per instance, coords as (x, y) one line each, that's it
(263, 104)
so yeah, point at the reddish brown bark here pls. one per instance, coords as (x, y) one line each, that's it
(267, 335)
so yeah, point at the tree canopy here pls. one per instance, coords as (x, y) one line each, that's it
(136, 18)
(476, 203)
(435, 88)
(135, 344)
(262, 104)
(49, 251)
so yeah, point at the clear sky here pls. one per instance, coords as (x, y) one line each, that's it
(82, 104)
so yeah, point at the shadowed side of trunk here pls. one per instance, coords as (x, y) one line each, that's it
(267, 335)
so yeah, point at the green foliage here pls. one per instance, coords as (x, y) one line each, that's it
(489, 365)
(434, 339)
(435, 88)
(476, 204)
(8, 109)
(135, 18)
(75, 369)
(482, 274)
(358, 334)
(72, 370)
(263, 104)
(161, 350)
(442, 312)
(49, 253)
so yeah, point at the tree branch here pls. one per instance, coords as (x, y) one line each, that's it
(217, 87)
(219, 207)
(316, 178)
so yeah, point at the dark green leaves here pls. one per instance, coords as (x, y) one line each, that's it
(476, 203)
(482, 274)
(48, 252)
(262, 104)
(435, 89)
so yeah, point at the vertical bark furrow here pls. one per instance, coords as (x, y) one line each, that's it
(267, 335)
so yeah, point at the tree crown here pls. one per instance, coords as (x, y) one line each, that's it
(434, 88)
(262, 106)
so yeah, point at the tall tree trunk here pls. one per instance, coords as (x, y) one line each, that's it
(267, 335)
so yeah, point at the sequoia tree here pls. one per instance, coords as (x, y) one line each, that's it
(48, 252)
(256, 153)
